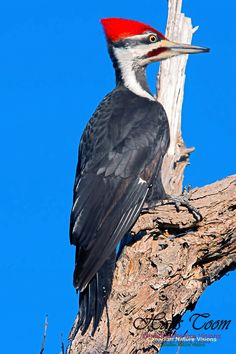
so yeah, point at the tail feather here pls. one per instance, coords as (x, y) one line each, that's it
(94, 297)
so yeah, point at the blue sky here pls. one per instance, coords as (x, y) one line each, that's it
(54, 70)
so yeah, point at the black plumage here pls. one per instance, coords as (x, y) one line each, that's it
(120, 157)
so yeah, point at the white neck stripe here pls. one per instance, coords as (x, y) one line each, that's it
(128, 73)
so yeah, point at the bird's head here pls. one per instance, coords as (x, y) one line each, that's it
(142, 43)
(133, 45)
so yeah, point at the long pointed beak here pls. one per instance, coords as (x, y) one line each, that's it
(177, 48)
(165, 49)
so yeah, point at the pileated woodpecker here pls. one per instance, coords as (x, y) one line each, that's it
(120, 158)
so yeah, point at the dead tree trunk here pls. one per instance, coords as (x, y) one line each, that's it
(161, 274)
(172, 78)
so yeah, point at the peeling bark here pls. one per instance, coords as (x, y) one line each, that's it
(165, 272)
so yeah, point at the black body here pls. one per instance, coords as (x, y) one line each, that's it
(120, 157)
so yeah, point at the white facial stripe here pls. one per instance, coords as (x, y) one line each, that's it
(141, 36)
(130, 54)
(141, 49)
(125, 57)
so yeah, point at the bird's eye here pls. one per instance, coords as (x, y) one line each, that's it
(152, 38)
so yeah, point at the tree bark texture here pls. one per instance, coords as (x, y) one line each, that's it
(164, 273)
(174, 258)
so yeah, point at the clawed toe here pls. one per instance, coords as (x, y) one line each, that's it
(183, 200)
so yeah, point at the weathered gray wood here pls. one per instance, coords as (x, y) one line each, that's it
(164, 276)
(172, 78)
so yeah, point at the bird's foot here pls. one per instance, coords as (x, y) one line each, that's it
(183, 200)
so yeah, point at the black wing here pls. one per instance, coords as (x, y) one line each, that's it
(121, 150)
(121, 140)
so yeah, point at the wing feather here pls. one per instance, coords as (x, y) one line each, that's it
(104, 219)
(119, 142)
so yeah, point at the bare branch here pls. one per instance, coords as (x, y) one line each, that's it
(172, 78)
(62, 345)
(164, 276)
(44, 334)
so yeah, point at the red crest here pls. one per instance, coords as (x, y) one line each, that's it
(119, 28)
